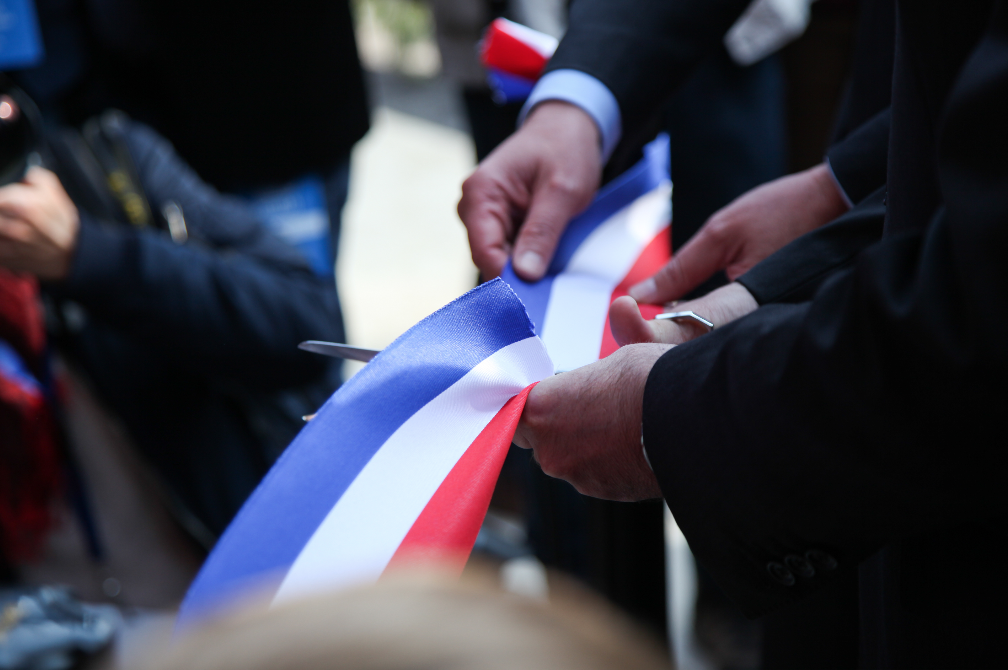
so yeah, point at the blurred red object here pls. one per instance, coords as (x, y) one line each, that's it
(515, 49)
(30, 473)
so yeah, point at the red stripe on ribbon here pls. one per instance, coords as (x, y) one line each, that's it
(446, 529)
(504, 51)
(654, 256)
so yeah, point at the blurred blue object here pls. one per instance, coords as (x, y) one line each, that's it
(508, 87)
(20, 40)
(298, 214)
(46, 628)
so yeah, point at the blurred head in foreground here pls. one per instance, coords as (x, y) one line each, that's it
(409, 621)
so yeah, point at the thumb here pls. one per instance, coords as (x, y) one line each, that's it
(700, 258)
(627, 324)
(553, 205)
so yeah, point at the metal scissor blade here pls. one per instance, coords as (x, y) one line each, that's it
(339, 350)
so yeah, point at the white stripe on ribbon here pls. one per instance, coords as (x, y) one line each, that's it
(360, 534)
(579, 299)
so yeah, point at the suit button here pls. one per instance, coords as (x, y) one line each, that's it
(821, 560)
(780, 574)
(799, 566)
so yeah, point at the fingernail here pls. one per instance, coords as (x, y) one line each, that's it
(531, 264)
(643, 291)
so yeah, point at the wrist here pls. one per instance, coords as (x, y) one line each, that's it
(65, 244)
(833, 201)
(588, 94)
(554, 116)
(726, 304)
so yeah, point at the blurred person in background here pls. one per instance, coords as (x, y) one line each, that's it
(261, 99)
(180, 306)
(421, 620)
(30, 437)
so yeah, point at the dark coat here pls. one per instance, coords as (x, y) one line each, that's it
(194, 345)
(851, 424)
(857, 425)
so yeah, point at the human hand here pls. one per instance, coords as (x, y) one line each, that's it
(720, 306)
(38, 226)
(750, 228)
(521, 197)
(585, 425)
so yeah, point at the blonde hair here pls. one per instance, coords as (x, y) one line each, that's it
(414, 622)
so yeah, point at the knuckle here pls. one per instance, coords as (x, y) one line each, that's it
(483, 259)
(671, 275)
(538, 234)
(567, 186)
(719, 230)
(472, 182)
(549, 464)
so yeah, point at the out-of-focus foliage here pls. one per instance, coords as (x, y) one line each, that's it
(407, 20)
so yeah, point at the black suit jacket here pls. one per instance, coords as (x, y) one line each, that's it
(857, 411)
(799, 441)
(642, 50)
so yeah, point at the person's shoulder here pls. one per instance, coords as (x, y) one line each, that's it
(144, 142)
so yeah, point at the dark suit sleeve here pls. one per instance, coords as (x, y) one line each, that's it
(233, 301)
(860, 161)
(870, 86)
(867, 414)
(795, 272)
(642, 50)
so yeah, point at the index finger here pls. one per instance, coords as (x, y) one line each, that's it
(486, 212)
(699, 258)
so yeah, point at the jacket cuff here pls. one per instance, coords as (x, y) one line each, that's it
(860, 162)
(795, 272)
(99, 260)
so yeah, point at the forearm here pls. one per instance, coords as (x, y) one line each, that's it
(795, 272)
(835, 424)
(217, 312)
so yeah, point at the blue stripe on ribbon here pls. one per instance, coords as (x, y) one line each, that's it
(282, 514)
(646, 175)
(508, 87)
(13, 367)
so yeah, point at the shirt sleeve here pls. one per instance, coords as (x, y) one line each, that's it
(588, 93)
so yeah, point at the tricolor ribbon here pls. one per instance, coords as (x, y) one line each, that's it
(514, 57)
(621, 239)
(402, 460)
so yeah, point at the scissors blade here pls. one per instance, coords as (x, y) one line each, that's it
(338, 350)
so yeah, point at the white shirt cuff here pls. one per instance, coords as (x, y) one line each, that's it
(586, 92)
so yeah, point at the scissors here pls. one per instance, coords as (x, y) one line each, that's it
(336, 350)
(679, 317)
(350, 352)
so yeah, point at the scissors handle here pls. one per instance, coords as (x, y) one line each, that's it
(686, 316)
